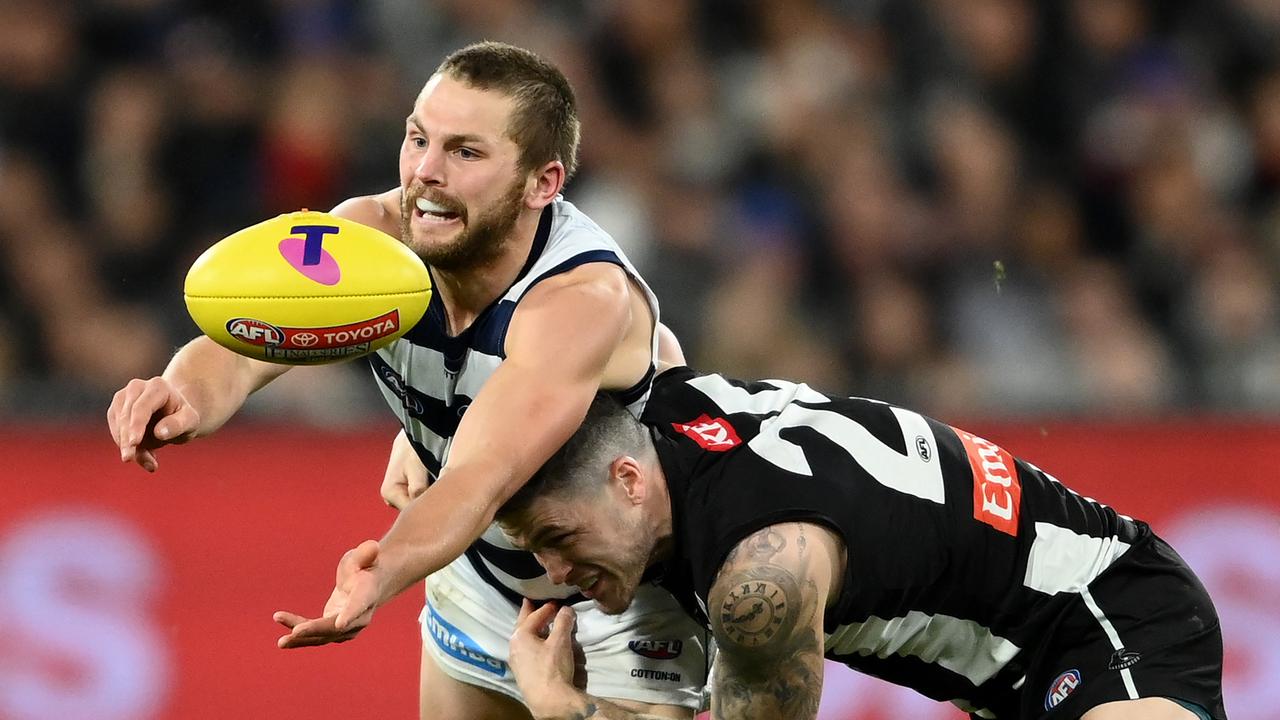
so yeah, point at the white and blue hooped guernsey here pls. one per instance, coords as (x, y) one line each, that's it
(429, 378)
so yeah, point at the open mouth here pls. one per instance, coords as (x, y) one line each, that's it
(585, 587)
(433, 212)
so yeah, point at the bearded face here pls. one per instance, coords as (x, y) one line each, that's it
(449, 235)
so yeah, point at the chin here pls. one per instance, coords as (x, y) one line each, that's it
(611, 608)
(435, 240)
(615, 605)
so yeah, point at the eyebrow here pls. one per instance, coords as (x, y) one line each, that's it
(450, 140)
(538, 537)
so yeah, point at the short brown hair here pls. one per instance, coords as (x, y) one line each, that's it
(581, 465)
(544, 123)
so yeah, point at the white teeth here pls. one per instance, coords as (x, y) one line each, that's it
(427, 206)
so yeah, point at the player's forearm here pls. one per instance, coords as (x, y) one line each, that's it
(432, 531)
(791, 689)
(577, 705)
(216, 381)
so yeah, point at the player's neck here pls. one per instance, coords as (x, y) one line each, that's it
(660, 514)
(466, 292)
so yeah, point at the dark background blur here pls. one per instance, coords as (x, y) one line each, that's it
(1054, 221)
(987, 208)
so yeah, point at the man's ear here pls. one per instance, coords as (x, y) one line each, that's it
(544, 185)
(629, 478)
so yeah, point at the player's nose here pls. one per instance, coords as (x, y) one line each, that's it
(429, 169)
(557, 568)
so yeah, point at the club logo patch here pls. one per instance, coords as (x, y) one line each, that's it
(657, 649)
(1061, 687)
(714, 434)
(1124, 658)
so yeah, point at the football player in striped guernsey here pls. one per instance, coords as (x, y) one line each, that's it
(534, 310)
(798, 526)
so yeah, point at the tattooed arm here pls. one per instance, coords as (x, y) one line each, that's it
(766, 608)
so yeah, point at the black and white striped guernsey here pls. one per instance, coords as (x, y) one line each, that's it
(960, 556)
(429, 377)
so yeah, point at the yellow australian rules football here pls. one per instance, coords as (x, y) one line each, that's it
(305, 288)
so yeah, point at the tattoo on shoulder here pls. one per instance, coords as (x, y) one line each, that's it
(764, 613)
(764, 544)
(732, 554)
(763, 603)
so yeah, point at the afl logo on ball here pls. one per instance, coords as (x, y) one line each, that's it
(1061, 687)
(254, 332)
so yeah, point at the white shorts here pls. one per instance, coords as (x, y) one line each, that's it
(652, 653)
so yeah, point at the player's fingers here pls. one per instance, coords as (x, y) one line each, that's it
(365, 554)
(147, 460)
(562, 626)
(534, 619)
(360, 557)
(144, 407)
(304, 629)
(118, 416)
(361, 600)
(288, 619)
(526, 609)
(354, 616)
(113, 413)
(290, 642)
(395, 493)
(176, 426)
(417, 480)
(305, 637)
(538, 621)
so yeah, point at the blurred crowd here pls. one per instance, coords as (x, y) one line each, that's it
(978, 208)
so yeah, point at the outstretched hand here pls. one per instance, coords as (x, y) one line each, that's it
(350, 606)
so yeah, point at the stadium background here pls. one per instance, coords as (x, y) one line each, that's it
(1053, 222)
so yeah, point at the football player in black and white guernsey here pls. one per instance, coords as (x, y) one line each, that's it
(534, 309)
(799, 526)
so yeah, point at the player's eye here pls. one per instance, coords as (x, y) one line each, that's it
(418, 142)
(467, 153)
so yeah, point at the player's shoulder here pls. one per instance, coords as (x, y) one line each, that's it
(600, 284)
(380, 211)
(569, 219)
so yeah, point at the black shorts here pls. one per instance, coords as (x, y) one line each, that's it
(1143, 628)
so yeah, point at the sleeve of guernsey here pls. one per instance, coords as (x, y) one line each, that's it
(723, 491)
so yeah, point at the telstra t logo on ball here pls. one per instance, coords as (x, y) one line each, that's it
(308, 256)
